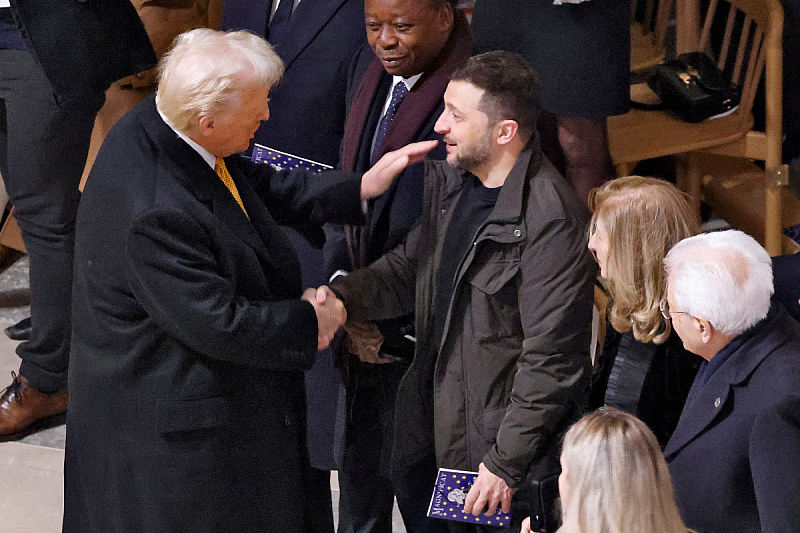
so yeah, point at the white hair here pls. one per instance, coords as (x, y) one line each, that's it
(724, 277)
(206, 67)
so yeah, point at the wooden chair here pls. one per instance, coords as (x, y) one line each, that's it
(649, 35)
(755, 27)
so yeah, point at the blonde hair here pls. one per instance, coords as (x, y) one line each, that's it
(617, 480)
(644, 218)
(205, 68)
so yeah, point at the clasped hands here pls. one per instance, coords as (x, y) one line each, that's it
(363, 339)
(331, 314)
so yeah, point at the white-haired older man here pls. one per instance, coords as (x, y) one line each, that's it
(735, 455)
(191, 328)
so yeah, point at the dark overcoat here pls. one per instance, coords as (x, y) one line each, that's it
(735, 454)
(186, 409)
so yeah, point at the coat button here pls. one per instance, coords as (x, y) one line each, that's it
(517, 233)
(717, 402)
(444, 211)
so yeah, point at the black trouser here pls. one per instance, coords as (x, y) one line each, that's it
(367, 494)
(43, 147)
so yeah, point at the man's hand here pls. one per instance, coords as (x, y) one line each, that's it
(331, 314)
(377, 179)
(365, 340)
(488, 489)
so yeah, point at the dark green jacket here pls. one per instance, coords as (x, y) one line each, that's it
(513, 367)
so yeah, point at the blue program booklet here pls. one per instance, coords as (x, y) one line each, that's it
(448, 498)
(282, 160)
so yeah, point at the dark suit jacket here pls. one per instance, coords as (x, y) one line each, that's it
(85, 45)
(735, 454)
(186, 409)
(308, 105)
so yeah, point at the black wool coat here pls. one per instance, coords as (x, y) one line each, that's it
(186, 409)
(735, 455)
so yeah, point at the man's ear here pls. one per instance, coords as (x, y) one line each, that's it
(205, 122)
(445, 16)
(507, 130)
(705, 329)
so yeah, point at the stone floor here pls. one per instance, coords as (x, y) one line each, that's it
(32, 468)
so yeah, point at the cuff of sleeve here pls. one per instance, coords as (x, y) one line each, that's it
(493, 463)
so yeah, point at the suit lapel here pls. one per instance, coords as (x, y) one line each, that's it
(264, 234)
(696, 417)
(308, 19)
(710, 400)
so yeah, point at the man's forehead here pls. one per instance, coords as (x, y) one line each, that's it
(397, 8)
(462, 94)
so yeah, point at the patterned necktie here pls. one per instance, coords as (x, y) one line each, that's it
(225, 176)
(280, 21)
(400, 91)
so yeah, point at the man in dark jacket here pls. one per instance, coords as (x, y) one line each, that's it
(56, 61)
(417, 59)
(501, 282)
(191, 330)
(735, 454)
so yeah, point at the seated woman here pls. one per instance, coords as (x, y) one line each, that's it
(614, 478)
(643, 368)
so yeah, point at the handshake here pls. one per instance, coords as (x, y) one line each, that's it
(331, 314)
(364, 339)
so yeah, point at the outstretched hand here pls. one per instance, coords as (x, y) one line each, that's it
(377, 179)
(331, 314)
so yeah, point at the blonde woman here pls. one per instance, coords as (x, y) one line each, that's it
(614, 478)
(643, 368)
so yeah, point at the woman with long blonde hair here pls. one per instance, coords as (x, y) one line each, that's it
(614, 478)
(643, 368)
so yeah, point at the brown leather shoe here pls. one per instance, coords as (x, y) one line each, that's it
(22, 406)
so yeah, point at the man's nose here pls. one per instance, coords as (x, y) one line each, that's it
(387, 38)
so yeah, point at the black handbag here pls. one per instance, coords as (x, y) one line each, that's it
(692, 88)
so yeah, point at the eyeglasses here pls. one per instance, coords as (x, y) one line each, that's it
(666, 312)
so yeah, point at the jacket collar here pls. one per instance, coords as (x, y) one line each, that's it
(505, 222)
(709, 401)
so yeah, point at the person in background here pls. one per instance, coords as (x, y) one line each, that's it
(56, 62)
(734, 453)
(643, 368)
(395, 89)
(614, 478)
(191, 330)
(581, 51)
(316, 40)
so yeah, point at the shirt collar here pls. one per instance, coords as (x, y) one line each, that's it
(207, 156)
(408, 81)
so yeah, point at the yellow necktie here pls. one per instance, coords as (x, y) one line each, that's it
(225, 176)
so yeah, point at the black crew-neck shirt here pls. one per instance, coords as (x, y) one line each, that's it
(471, 211)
